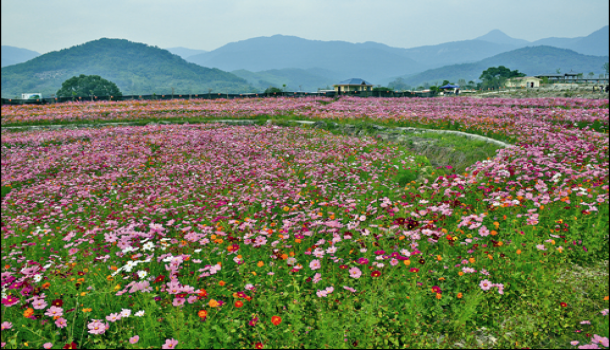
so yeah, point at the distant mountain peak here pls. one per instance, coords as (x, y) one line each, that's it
(499, 37)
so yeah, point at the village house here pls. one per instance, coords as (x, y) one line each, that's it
(354, 84)
(523, 82)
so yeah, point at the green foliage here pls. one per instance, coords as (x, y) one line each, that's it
(382, 88)
(501, 71)
(88, 85)
(606, 68)
(34, 97)
(272, 89)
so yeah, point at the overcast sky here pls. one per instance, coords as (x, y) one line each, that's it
(44, 25)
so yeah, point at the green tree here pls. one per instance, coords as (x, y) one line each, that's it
(382, 88)
(606, 68)
(494, 77)
(88, 85)
(591, 75)
(272, 89)
(445, 82)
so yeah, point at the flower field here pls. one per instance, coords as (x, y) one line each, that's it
(192, 235)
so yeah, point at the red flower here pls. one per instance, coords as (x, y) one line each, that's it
(72, 345)
(239, 304)
(159, 278)
(375, 273)
(276, 320)
(258, 345)
(414, 270)
(563, 304)
(58, 303)
(436, 289)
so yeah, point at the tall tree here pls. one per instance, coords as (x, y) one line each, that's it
(88, 85)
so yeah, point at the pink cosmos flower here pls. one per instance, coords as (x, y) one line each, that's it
(113, 317)
(97, 327)
(134, 339)
(485, 285)
(39, 304)
(349, 289)
(317, 278)
(61, 322)
(47, 345)
(315, 264)
(355, 272)
(178, 302)
(541, 247)
(574, 342)
(170, 344)
(6, 325)
(589, 346)
(600, 340)
(54, 311)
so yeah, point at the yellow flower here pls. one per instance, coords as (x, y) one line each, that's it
(407, 262)
(438, 296)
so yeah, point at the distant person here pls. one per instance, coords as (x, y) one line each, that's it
(457, 92)
(607, 88)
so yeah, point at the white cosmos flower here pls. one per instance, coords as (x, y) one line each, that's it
(140, 313)
(142, 273)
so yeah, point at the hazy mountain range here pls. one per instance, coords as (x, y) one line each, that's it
(135, 68)
(300, 63)
(13, 55)
(529, 60)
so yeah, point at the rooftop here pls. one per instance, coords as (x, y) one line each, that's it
(354, 81)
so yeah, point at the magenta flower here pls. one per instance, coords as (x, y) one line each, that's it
(362, 261)
(9, 301)
(170, 344)
(134, 339)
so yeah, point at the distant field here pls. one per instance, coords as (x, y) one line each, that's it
(192, 234)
